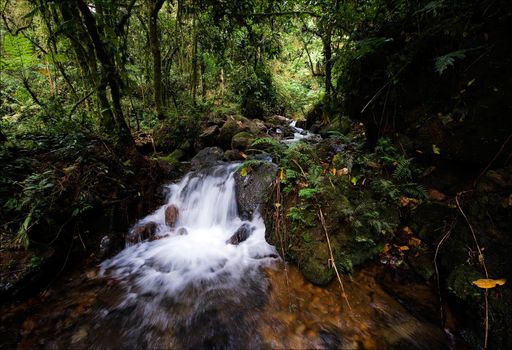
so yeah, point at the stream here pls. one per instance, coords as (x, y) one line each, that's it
(192, 286)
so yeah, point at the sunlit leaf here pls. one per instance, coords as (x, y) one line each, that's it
(353, 180)
(243, 172)
(333, 171)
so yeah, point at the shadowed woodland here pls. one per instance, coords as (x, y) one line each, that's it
(403, 171)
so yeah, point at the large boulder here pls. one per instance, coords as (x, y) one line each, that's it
(207, 157)
(253, 188)
(242, 140)
(234, 125)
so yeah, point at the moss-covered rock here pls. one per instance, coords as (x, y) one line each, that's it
(242, 140)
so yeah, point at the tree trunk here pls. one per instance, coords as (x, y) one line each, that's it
(109, 73)
(154, 45)
(326, 41)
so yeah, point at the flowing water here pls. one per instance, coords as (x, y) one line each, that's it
(189, 287)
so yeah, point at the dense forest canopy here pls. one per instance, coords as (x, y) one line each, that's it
(408, 100)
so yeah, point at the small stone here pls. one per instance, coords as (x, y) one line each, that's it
(240, 235)
(182, 231)
(142, 232)
(171, 215)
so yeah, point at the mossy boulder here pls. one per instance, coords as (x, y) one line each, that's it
(232, 126)
(242, 140)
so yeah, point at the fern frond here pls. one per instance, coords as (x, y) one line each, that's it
(443, 62)
(403, 169)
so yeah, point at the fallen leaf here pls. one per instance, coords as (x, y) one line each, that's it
(413, 241)
(436, 195)
(404, 247)
(243, 172)
(243, 155)
(487, 283)
(404, 201)
(333, 171)
(386, 248)
(343, 171)
(407, 230)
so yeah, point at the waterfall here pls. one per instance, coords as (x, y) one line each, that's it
(197, 249)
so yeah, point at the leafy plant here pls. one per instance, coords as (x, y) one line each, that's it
(445, 61)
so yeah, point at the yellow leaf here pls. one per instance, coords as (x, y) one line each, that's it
(436, 149)
(487, 283)
(278, 205)
(243, 172)
(333, 171)
(281, 174)
(404, 247)
(353, 180)
(335, 158)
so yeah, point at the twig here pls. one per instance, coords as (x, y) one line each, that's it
(438, 247)
(333, 262)
(481, 260)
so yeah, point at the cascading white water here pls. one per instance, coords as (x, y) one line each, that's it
(196, 250)
(298, 135)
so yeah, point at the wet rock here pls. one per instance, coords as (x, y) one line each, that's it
(182, 231)
(141, 232)
(242, 140)
(171, 215)
(210, 134)
(232, 155)
(110, 244)
(241, 234)
(252, 190)
(207, 157)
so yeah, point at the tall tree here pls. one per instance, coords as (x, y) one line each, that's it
(154, 7)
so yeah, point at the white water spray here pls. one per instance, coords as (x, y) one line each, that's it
(195, 251)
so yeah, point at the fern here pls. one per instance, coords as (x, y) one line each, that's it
(403, 170)
(307, 193)
(443, 62)
(266, 140)
(18, 54)
(414, 190)
(249, 163)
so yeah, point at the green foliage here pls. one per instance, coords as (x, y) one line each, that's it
(445, 61)
(18, 54)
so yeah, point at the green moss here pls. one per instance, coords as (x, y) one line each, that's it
(459, 283)
(174, 157)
